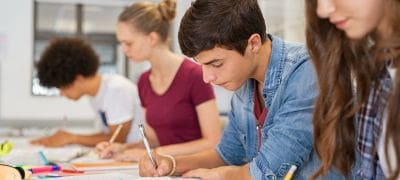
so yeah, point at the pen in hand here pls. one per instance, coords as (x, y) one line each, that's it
(147, 145)
(101, 149)
(115, 134)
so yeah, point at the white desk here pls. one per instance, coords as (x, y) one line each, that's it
(24, 153)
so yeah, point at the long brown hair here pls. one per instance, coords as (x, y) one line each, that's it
(150, 17)
(392, 10)
(340, 63)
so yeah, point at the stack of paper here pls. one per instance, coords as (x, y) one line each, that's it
(101, 166)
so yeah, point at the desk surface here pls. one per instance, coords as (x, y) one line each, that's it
(26, 154)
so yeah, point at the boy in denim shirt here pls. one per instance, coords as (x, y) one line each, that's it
(270, 126)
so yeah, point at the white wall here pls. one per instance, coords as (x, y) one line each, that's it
(181, 7)
(16, 101)
(284, 18)
(16, 46)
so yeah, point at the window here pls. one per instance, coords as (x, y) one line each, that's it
(93, 22)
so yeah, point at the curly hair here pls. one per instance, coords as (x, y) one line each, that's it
(64, 59)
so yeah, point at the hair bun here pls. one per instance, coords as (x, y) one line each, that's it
(167, 9)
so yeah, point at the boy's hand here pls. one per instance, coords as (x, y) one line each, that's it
(106, 150)
(60, 138)
(146, 167)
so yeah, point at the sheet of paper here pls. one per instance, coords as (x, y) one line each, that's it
(100, 176)
(91, 157)
(22, 157)
(65, 154)
(30, 156)
(23, 153)
(114, 176)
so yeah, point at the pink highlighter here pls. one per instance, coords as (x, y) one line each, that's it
(41, 169)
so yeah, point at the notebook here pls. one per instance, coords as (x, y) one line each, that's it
(101, 166)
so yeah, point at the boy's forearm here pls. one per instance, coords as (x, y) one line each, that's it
(90, 140)
(134, 145)
(205, 159)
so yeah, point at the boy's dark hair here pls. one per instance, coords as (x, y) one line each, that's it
(224, 23)
(63, 60)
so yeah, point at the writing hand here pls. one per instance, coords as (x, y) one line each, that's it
(146, 167)
(106, 150)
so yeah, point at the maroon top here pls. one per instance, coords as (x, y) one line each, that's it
(173, 114)
(259, 113)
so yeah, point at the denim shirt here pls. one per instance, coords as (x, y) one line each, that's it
(290, 89)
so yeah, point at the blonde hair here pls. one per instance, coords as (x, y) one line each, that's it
(150, 17)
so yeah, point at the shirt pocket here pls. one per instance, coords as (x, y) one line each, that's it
(283, 169)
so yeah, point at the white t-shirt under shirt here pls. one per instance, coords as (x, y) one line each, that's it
(117, 101)
(384, 162)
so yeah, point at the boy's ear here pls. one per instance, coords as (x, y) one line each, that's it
(80, 82)
(254, 42)
(79, 78)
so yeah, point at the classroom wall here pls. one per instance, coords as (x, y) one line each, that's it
(16, 50)
(283, 18)
(16, 101)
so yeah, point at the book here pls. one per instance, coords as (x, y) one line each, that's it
(101, 166)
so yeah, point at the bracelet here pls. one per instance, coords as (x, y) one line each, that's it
(173, 163)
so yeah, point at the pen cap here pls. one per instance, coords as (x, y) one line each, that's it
(45, 169)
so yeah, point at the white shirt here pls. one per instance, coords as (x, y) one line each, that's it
(117, 101)
(384, 162)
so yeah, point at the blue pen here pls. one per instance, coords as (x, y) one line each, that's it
(43, 157)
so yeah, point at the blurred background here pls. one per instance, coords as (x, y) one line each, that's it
(26, 26)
